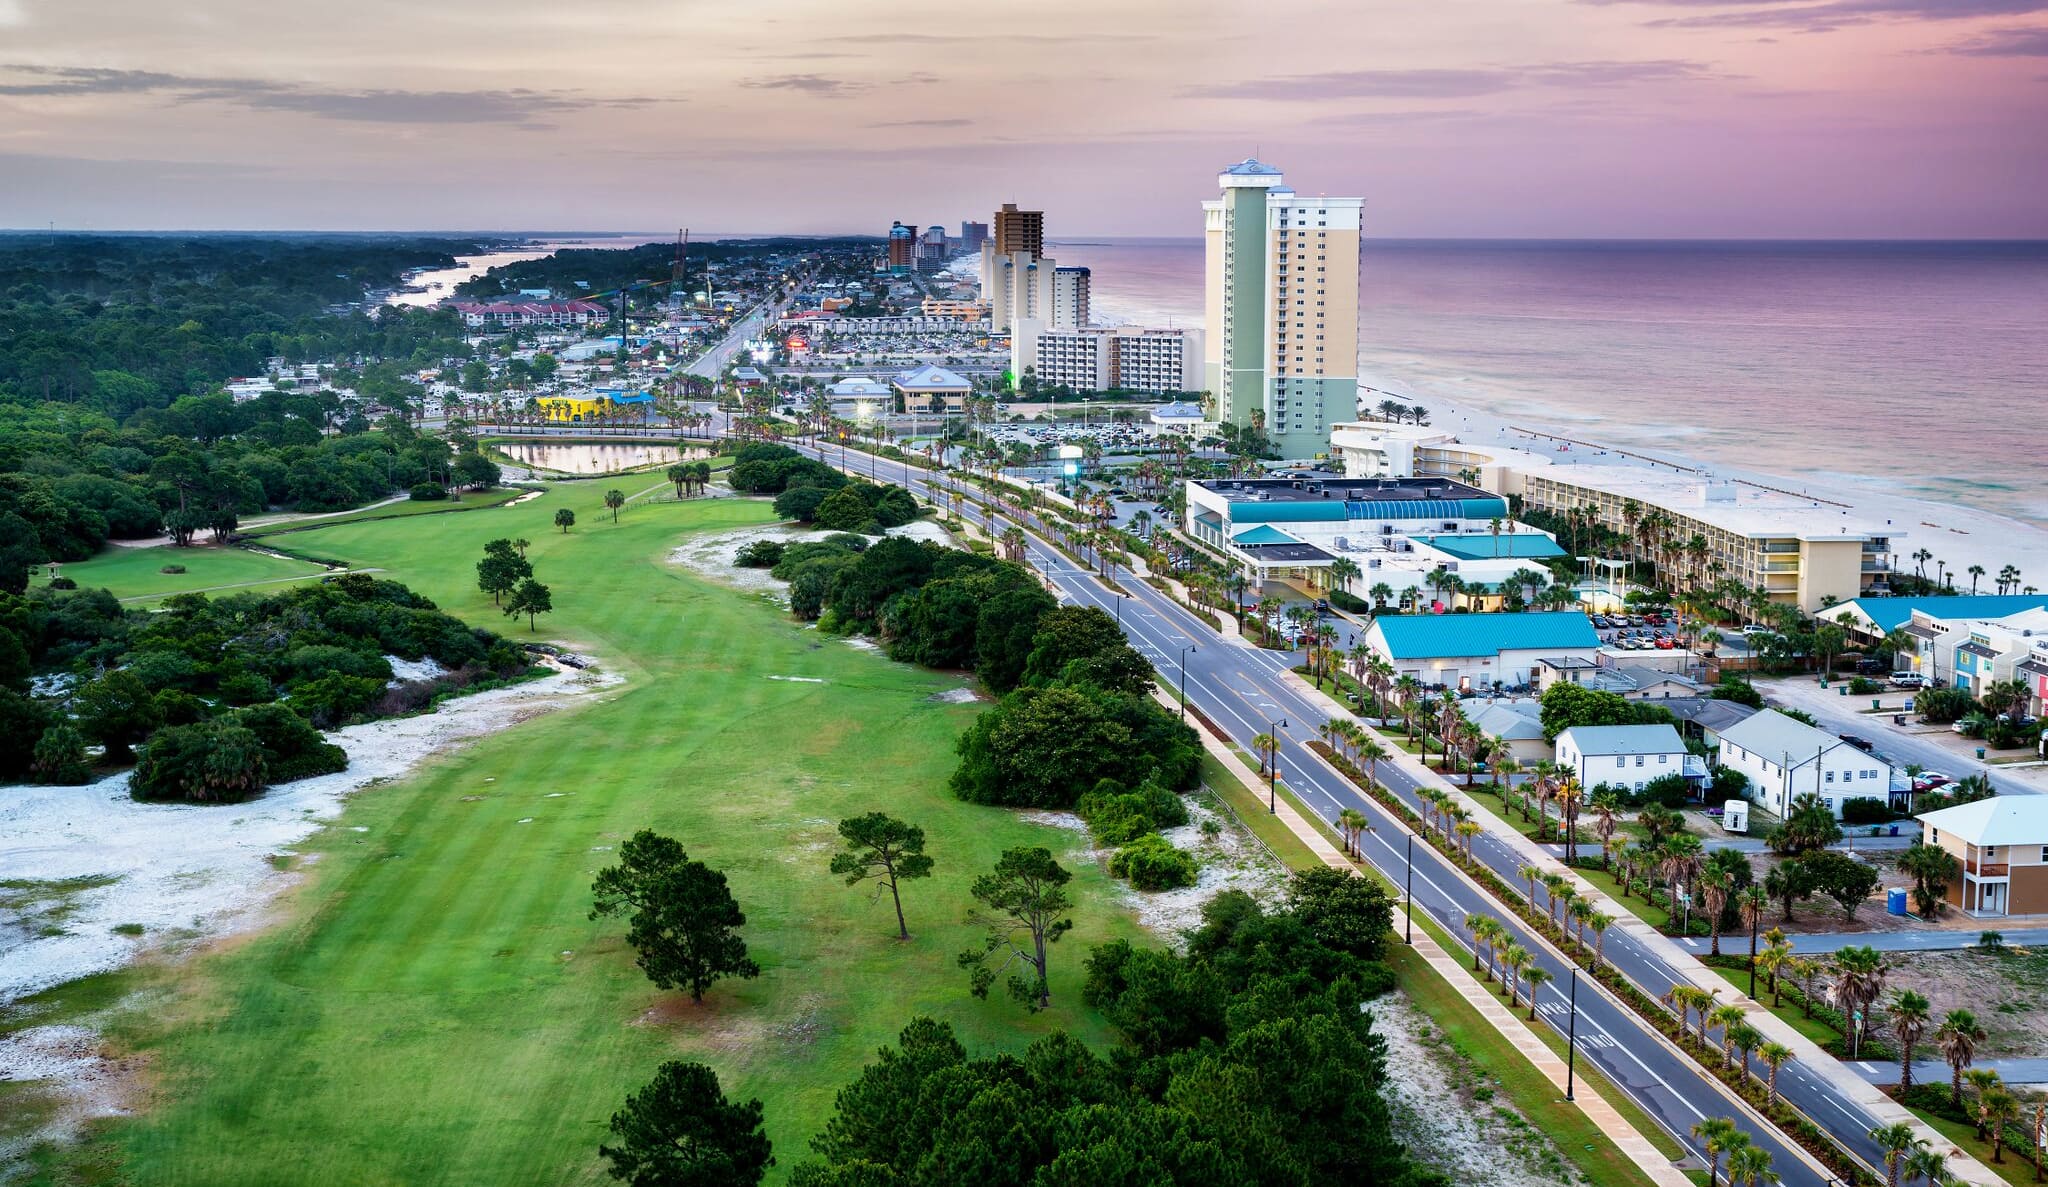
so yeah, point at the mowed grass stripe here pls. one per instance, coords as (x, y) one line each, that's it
(413, 1019)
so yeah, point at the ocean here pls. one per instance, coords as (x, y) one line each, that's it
(1909, 368)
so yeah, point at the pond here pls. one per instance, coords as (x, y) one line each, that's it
(587, 457)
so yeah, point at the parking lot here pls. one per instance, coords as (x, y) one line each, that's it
(1933, 747)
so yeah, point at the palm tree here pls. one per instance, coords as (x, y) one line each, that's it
(1581, 911)
(1725, 1019)
(1513, 959)
(1745, 1038)
(1370, 751)
(1605, 804)
(1893, 1141)
(1909, 1012)
(1477, 924)
(679, 474)
(1466, 830)
(1975, 571)
(1859, 982)
(1530, 874)
(1353, 822)
(1957, 1037)
(1599, 922)
(1775, 1056)
(1750, 1166)
(1537, 977)
(1983, 1081)
(1716, 1135)
(1263, 745)
(615, 499)
(1752, 903)
(1925, 1165)
(1714, 886)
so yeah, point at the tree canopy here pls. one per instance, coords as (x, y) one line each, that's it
(681, 917)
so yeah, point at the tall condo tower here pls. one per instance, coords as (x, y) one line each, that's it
(1016, 278)
(1282, 307)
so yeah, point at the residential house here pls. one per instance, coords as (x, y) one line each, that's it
(1628, 756)
(2002, 845)
(1786, 758)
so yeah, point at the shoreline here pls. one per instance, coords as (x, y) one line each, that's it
(1956, 534)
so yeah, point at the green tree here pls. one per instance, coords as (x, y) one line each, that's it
(501, 569)
(613, 500)
(1024, 905)
(1809, 825)
(1842, 878)
(565, 519)
(681, 1131)
(681, 917)
(532, 599)
(207, 762)
(1066, 634)
(60, 757)
(1957, 1038)
(1345, 913)
(117, 711)
(1933, 870)
(885, 849)
(1909, 1012)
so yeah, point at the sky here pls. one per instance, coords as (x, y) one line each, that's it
(1466, 118)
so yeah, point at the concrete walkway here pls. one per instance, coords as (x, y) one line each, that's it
(1504, 1019)
(1844, 1080)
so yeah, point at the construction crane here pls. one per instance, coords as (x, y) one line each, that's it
(678, 293)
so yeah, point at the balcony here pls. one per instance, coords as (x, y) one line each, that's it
(1989, 869)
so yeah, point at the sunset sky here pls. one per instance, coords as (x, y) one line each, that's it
(1859, 118)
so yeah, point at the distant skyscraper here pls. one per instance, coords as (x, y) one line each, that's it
(1070, 298)
(1019, 230)
(1282, 342)
(902, 247)
(931, 248)
(972, 236)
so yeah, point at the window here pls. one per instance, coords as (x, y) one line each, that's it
(1639, 760)
(1663, 760)
(1831, 776)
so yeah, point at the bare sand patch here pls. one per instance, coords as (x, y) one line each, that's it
(1449, 1116)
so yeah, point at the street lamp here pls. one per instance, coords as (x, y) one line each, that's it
(1273, 766)
(1571, 1041)
(1120, 598)
(1184, 685)
(1408, 896)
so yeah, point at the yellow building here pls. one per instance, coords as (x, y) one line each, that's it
(600, 404)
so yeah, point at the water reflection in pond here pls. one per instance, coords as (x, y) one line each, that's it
(585, 457)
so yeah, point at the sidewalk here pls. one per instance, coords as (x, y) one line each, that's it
(1508, 1022)
(1843, 1079)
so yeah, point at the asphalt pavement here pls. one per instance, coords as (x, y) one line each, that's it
(1245, 690)
(1945, 940)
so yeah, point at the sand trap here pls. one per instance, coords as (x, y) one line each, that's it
(955, 696)
(187, 872)
(800, 679)
(528, 497)
(414, 669)
(84, 1083)
(1234, 860)
(1435, 1098)
(712, 557)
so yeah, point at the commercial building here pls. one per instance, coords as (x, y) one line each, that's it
(932, 389)
(1124, 358)
(1179, 418)
(1282, 307)
(1626, 755)
(1381, 449)
(932, 249)
(1070, 298)
(1019, 231)
(953, 310)
(859, 397)
(1801, 551)
(1785, 758)
(476, 314)
(2002, 845)
(1399, 533)
(902, 247)
(972, 236)
(1479, 651)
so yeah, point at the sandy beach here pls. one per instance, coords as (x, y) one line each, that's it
(1957, 536)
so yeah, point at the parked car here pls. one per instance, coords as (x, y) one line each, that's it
(1757, 629)
(1863, 744)
(1908, 680)
(1665, 644)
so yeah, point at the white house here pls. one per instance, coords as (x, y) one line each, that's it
(1785, 758)
(1626, 755)
(1478, 651)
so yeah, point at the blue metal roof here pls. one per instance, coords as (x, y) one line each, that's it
(1888, 613)
(1476, 547)
(1443, 636)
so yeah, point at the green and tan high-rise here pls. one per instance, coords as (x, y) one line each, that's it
(1282, 308)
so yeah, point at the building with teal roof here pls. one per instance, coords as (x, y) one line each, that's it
(1478, 651)
(1518, 545)
(1874, 618)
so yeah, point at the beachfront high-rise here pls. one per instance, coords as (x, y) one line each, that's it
(1282, 307)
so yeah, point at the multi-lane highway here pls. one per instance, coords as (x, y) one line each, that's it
(1244, 690)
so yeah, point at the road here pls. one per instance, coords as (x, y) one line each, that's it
(712, 363)
(1945, 940)
(1244, 690)
(2013, 1071)
(1838, 715)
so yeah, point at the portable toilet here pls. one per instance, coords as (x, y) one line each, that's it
(1735, 816)
(1895, 900)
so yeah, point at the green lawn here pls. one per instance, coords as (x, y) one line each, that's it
(435, 1007)
(470, 501)
(137, 572)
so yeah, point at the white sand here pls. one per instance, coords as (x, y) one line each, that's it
(187, 872)
(1958, 536)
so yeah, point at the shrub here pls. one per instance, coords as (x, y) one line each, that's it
(1943, 705)
(60, 757)
(1152, 864)
(1866, 811)
(1118, 817)
(207, 763)
(334, 698)
(1863, 686)
(1666, 791)
(172, 569)
(68, 583)
(761, 554)
(292, 748)
(1349, 604)
(427, 492)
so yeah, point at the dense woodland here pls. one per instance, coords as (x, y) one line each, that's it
(593, 272)
(112, 421)
(222, 696)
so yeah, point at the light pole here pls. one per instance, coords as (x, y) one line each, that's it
(1408, 896)
(1184, 686)
(1273, 766)
(1120, 609)
(1571, 1040)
